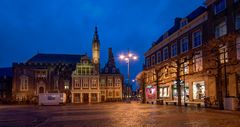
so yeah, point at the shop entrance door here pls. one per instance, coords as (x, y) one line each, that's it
(184, 94)
(85, 98)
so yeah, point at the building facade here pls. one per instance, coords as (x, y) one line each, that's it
(190, 51)
(43, 73)
(76, 75)
(85, 78)
(111, 80)
(5, 85)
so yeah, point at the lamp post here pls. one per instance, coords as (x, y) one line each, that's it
(128, 57)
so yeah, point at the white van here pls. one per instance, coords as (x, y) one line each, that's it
(51, 98)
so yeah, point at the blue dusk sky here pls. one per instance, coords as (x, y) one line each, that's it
(67, 26)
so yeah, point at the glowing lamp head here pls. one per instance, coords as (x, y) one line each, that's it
(121, 57)
(130, 55)
(135, 57)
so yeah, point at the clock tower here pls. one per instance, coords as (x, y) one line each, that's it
(96, 51)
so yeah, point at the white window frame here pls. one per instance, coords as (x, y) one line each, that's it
(193, 38)
(221, 29)
(159, 56)
(174, 48)
(165, 52)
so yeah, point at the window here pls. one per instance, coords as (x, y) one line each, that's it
(183, 22)
(117, 82)
(66, 85)
(185, 66)
(174, 49)
(198, 90)
(237, 22)
(220, 29)
(94, 83)
(55, 83)
(153, 60)
(102, 82)
(117, 93)
(24, 83)
(184, 44)
(238, 48)
(148, 64)
(110, 93)
(110, 82)
(197, 39)
(77, 83)
(165, 53)
(220, 6)
(197, 61)
(85, 83)
(164, 91)
(223, 54)
(159, 57)
(235, 1)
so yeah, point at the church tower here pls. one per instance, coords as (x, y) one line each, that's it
(96, 50)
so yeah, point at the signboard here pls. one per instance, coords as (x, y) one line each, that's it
(151, 93)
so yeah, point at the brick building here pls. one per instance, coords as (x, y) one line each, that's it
(185, 50)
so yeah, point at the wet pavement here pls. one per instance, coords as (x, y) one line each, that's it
(116, 115)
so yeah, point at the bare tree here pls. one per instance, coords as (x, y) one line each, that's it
(216, 51)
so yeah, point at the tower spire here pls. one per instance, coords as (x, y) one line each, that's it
(95, 38)
(96, 50)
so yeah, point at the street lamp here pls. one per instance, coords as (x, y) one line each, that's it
(127, 58)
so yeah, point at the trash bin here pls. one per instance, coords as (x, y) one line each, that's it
(230, 103)
(160, 102)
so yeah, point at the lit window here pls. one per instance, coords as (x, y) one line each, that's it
(174, 49)
(223, 54)
(237, 22)
(24, 83)
(184, 44)
(197, 39)
(197, 62)
(165, 53)
(110, 82)
(66, 85)
(117, 82)
(94, 83)
(102, 82)
(220, 6)
(185, 66)
(159, 56)
(164, 92)
(199, 90)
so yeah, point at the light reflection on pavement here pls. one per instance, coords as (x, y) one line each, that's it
(115, 115)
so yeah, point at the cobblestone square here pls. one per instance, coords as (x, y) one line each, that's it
(116, 115)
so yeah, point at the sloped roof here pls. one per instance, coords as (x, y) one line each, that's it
(6, 72)
(194, 14)
(55, 58)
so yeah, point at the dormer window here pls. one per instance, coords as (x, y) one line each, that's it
(165, 35)
(220, 6)
(183, 22)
